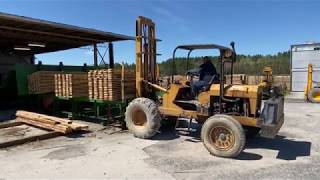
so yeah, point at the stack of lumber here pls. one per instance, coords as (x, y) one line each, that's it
(282, 81)
(41, 82)
(71, 85)
(236, 79)
(110, 85)
(49, 122)
(253, 80)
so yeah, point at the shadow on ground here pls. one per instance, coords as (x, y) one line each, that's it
(78, 134)
(7, 115)
(287, 149)
(168, 131)
(248, 156)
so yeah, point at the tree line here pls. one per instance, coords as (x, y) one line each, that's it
(245, 64)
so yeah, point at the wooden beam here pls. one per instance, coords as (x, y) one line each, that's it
(43, 136)
(52, 34)
(95, 55)
(37, 116)
(58, 128)
(10, 124)
(111, 56)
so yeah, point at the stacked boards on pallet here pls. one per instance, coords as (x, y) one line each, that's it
(111, 84)
(41, 82)
(236, 79)
(70, 85)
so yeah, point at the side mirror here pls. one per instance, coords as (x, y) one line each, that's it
(232, 45)
(234, 51)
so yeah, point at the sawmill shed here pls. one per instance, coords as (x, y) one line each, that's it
(21, 38)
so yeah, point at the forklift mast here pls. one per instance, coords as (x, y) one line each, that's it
(146, 67)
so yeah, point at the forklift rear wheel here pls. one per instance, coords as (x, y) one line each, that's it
(142, 118)
(314, 95)
(223, 136)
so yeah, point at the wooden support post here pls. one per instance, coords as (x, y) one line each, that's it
(109, 112)
(39, 65)
(122, 83)
(95, 55)
(60, 66)
(111, 56)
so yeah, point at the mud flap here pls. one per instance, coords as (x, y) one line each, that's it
(272, 117)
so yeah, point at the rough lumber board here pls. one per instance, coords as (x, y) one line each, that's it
(77, 126)
(44, 136)
(50, 122)
(10, 124)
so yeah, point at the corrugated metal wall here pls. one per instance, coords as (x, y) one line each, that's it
(301, 56)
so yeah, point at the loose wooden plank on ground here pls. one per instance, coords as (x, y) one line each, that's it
(43, 136)
(10, 124)
(49, 122)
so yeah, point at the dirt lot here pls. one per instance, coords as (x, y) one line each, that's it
(294, 154)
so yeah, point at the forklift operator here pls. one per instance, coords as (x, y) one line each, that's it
(206, 71)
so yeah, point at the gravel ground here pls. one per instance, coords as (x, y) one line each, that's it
(293, 154)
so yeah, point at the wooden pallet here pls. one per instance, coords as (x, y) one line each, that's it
(236, 79)
(71, 85)
(111, 85)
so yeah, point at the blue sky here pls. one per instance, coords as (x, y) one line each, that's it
(257, 27)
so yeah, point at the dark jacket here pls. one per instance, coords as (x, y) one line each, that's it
(207, 69)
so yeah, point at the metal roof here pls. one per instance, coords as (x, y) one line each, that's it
(201, 46)
(20, 30)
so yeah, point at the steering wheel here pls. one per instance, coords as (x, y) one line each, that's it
(192, 73)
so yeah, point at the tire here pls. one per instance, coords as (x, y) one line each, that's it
(232, 135)
(251, 131)
(142, 118)
(314, 95)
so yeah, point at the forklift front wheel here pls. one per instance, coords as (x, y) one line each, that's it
(142, 118)
(223, 136)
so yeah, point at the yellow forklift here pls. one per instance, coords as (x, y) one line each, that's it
(226, 111)
(312, 91)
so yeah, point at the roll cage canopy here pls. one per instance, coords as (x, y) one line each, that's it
(225, 57)
(192, 47)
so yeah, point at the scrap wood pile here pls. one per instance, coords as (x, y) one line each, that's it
(71, 85)
(41, 82)
(111, 85)
(60, 125)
